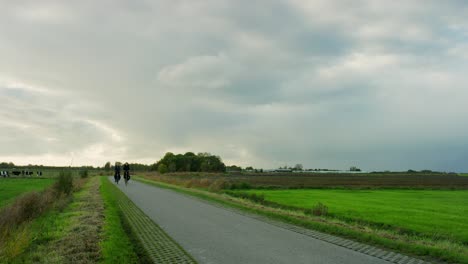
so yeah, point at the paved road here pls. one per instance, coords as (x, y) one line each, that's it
(215, 235)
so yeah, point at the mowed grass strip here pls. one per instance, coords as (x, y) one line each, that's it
(434, 213)
(10, 188)
(117, 246)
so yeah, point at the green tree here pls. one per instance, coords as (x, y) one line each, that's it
(298, 167)
(191, 162)
(107, 166)
(162, 168)
(172, 167)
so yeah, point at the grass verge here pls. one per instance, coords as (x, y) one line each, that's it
(70, 234)
(119, 245)
(412, 245)
(31, 221)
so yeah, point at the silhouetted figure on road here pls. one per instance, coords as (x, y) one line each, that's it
(117, 172)
(126, 168)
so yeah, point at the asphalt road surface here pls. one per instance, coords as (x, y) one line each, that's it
(215, 235)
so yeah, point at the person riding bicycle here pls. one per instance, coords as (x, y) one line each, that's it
(117, 172)
(126, 168)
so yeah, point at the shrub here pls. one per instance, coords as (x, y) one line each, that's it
(257, 198)
(205, 183)
(318, 210)
(84, 174)
(25, 208)
(64, 183)
(218, 185)
(162, 168)
(244, 185)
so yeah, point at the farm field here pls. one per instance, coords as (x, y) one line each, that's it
(320, 180)
(432, 213)
(13, 187)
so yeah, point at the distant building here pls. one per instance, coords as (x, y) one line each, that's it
(283, 170)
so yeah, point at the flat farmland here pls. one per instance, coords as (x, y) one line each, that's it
(431, 213)
(13, 187)
(364, 180)
(318, 180)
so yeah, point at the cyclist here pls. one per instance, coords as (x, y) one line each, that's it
(126, 168)
(117, 172)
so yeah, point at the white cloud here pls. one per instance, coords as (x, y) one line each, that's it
(202, 72)
(44, 12)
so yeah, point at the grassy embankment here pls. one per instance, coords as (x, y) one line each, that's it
(69, 233)
(82, 228)
(10, 188)
(22, 225)
(401, 238)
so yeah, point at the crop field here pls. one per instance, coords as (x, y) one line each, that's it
(323, 180)
(432, 213)
(13, 187)
(371, 180)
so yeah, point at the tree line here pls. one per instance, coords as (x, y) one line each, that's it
(188, 162)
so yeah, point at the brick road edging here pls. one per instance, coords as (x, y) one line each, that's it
(159, 246)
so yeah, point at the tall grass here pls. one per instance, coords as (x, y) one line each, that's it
(212, 183)
(64, 183)
(28, 207)
(84, 174)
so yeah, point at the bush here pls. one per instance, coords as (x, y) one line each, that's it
(64, 183)
(318, 210)
(162, 168)
(23, 209)
(257, 198)
(218, 185)
(84, 174)
(244, 185)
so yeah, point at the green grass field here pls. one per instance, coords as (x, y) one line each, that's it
(13, 187)
(433, 213)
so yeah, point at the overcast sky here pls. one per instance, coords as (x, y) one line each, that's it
(329, 84)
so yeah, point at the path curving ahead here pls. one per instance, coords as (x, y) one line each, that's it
(215, 235)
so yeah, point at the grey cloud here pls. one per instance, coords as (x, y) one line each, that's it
(325, 83)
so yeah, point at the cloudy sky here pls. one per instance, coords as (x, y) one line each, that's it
(376, 84)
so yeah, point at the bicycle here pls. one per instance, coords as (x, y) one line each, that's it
(117, 177)
(126, 177)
